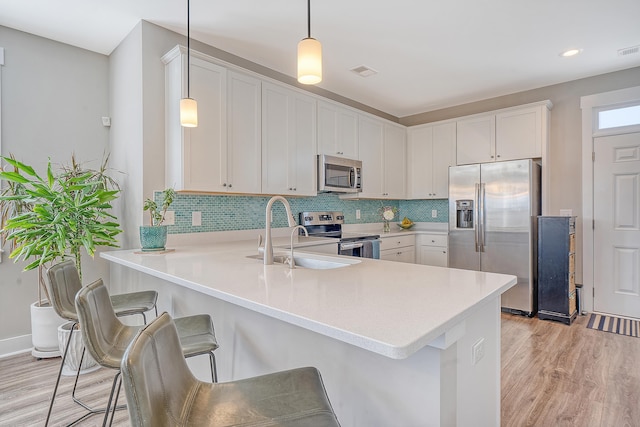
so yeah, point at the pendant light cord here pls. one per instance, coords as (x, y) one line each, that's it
(189, 49)
(308, 18)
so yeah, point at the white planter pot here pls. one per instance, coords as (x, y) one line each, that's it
(75, 352)
(44, 327)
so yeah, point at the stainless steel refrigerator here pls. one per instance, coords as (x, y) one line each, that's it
(492, 225)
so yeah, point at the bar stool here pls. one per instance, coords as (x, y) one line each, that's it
(157, 396)
(63, 283)
(106, 338)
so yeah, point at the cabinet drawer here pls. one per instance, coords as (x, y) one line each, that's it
(406, 254)
(434, 240)
(397, 242)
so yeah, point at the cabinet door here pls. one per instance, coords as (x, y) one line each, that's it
(204, 160)
(303, 169)
(519, 133)
(476, 139)
(394, 161)
(419, 162)
(243, 139)
(370, 147)
(433, 255)
(288, 142)
(443, 156)
(337, 131)
(276, 155)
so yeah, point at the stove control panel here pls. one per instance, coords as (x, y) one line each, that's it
(321, 218)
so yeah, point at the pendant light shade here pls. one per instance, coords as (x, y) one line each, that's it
(188, 105)
(309, 56)
(188, 112)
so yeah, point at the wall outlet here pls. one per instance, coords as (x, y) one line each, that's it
(357, 213)
(477, 351)
(196, 219)
(434, 213)
(169, 218)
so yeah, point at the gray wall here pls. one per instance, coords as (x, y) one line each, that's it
(565, 147)
(53, 98)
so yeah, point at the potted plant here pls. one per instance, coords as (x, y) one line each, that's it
(153, 237)
(50, 219)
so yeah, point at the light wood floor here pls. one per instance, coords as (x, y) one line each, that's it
(552, 375)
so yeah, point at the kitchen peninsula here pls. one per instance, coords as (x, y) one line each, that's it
(400, 345)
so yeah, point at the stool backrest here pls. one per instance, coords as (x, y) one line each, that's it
(63, 283)
(105, 337)
(157, 381)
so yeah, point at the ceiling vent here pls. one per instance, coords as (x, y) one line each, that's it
(629, 51)
(364, 71)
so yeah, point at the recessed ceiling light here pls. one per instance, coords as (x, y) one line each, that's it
(570, 52)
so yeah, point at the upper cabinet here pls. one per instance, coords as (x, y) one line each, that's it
(431, 149)
(509, 134)
(195, 157)
(222, 154)
(382, 148)
(337, 130)
(288, 141)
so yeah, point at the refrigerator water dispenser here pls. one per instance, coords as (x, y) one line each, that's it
(464, 213)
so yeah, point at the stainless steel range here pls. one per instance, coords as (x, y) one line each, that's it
(329, 224)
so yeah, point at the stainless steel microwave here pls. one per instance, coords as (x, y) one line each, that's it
(339, 175)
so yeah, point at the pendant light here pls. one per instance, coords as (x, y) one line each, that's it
(309, 56)
(188, 105)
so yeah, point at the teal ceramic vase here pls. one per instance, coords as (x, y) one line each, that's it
(153, 238)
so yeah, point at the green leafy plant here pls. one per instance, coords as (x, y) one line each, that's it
(52, 218)
(157, 214)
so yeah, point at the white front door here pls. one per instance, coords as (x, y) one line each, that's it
(616, 209)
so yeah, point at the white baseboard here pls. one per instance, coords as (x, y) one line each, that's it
(15, 345)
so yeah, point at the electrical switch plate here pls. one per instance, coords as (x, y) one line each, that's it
(169, 218)
(434, 213)
(477, 351)
(196, 219)
(106, 121)
(357, 213)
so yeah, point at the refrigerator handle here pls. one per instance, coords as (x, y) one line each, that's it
(481, 222)
(476, 217)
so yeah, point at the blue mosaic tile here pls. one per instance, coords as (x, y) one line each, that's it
(226, 213)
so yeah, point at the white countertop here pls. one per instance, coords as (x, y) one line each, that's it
(390, 308)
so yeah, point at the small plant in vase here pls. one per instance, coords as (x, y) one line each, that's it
(153, 237)
(388, 213)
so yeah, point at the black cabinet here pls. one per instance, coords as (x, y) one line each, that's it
(556, 268)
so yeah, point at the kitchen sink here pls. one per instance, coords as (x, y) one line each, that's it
(312, 261)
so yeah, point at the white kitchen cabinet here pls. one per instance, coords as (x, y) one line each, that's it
(513, 133)
(337, 130)
(433, 249)
(243, 148)
(395, 161)
(288, 142)
(431, 149)
(195, 156)
(382, 148)
(398, 248)
(476, 140)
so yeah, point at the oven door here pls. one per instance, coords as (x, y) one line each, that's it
(368, 248)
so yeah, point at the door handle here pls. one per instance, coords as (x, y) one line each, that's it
(476, 223)
(482, 232)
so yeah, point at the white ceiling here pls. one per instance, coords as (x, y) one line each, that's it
(428, 54)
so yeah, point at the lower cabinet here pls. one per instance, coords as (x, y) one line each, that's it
(398, 248)
(433, 249)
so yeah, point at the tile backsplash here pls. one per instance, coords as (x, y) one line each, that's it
(226, 213)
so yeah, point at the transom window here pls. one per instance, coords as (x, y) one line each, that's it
(618, 117)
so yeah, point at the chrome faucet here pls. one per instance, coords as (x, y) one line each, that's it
(292, 261)
(268, 246)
